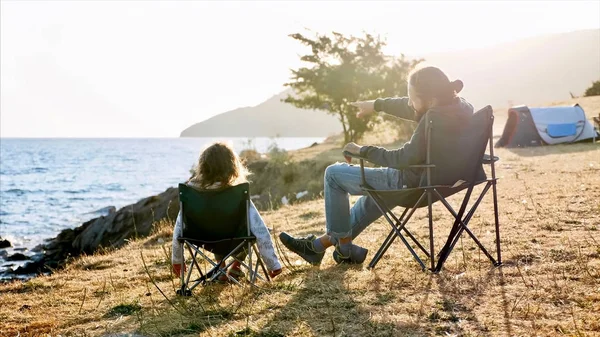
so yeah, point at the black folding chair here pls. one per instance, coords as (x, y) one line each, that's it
(463, 159)
(217, 221)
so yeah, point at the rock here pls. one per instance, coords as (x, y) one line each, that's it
(134, 220)
(20, 249)
(104, 211)
(301, 194)
(30, 268)
(17, 257)
(4, 243)
(3, 253)
(110, 231)
(38, 249)
(107, 231)
(37, 258)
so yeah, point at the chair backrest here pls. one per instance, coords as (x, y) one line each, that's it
(460, 156)
(213, 215)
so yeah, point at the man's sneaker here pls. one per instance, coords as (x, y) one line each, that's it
(303, 247)
(357, 255)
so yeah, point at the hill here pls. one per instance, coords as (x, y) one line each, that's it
(529, 71)
(271, 118)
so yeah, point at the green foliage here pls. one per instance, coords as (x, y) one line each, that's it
(274, 179)
(277, 154)
(343, 69)
(594, 90)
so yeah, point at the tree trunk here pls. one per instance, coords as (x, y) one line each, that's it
(347, 130)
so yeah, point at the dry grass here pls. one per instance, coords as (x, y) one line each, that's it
(549, 284)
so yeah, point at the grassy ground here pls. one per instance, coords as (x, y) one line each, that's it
(549, 284)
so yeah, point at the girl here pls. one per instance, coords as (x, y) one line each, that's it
(218, 167)
(428, 90)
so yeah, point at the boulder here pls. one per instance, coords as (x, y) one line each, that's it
(17, 257)
(110, 231)
(4, 243)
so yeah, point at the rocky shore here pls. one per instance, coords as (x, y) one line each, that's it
(274, 183)
(109, 232)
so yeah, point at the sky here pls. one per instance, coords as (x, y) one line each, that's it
(151, 69)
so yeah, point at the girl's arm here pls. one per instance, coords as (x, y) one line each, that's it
(263, 239)
(397, 106)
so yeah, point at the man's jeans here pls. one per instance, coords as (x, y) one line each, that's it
(342, 180)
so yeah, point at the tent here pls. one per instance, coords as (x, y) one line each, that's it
(546, 126)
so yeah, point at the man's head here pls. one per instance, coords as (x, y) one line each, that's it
(429, 87)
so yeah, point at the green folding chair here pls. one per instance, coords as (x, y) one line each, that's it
(217, 222)
(464, 157)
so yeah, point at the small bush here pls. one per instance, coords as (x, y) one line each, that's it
(594, 90)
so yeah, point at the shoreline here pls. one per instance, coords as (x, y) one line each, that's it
(34, 265)
(33, 253)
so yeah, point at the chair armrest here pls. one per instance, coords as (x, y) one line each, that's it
(357, 156)
(487, 159)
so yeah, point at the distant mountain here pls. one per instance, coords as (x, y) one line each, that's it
(271, 118)
(530, 71)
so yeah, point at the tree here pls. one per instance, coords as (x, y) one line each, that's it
(594, 90)
(343, 69)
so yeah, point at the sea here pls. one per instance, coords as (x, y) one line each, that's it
(47, 185)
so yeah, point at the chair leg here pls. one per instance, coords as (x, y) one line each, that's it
(382, 249)
(497, 223)
(431, 247)
(262, 265)
(253, 268)
(416, 242)
(397, 230)
(387, 242)
(454, 232)
(460, 226)
(192, 263)
(408, 233)
(495, 197)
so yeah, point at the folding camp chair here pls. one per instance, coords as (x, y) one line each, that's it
(464, 159)
(217, 221)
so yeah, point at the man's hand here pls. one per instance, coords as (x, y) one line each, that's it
(365, 108)
(352, 148)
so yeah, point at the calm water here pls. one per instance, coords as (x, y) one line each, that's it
(47, 185)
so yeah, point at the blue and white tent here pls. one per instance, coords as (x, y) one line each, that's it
(546, 126)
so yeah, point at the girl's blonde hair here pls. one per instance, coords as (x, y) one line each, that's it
(218, 163)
